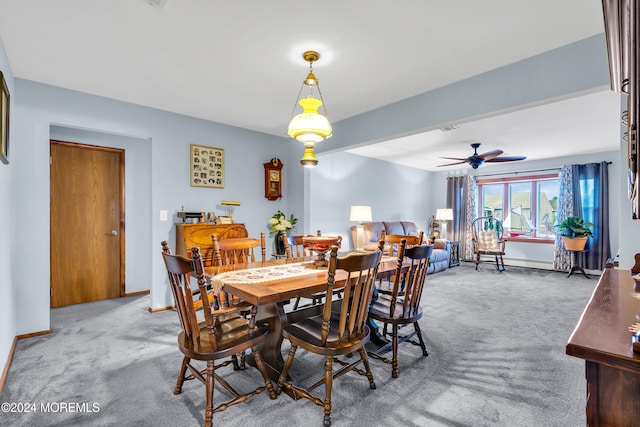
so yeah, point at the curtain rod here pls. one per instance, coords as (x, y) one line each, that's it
(521, 172)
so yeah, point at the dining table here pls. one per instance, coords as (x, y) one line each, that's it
(270, 284)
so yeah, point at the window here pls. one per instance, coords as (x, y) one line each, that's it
(527, 206)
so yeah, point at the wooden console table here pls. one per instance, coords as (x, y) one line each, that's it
(199, 235)
(603, 340)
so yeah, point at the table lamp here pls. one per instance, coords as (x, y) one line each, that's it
(360, 214)
(444, 215)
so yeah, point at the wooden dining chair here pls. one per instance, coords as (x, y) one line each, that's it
(392, 245)
(339, 329)
(396, 310)
(237, 250)
(223, 333)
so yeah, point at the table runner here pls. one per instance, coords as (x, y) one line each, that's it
(264, 274)
(270, 274)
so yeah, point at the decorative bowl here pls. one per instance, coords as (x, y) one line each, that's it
(321, 245)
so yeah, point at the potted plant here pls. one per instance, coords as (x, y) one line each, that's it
(575, 232)
(279, 223)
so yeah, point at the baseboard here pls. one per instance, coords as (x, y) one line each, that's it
(5, 371)
(157, 309)
(539, 265)
(34, 334)
(133, 294)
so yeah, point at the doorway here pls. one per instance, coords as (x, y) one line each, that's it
(86, 223)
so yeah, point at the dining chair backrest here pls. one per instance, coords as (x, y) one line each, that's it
(361, 270)
(237, 250)
(392, 241)
(180, 271)
(409, 278)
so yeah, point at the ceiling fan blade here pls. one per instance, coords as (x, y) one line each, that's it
(451, 164)
(454, 158)
(506, 159)
(490, 154)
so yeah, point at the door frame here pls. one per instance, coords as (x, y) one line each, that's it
(121, 199)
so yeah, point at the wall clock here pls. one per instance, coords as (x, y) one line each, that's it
(273, 179)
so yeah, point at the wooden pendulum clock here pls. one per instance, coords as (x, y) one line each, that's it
(273, 179)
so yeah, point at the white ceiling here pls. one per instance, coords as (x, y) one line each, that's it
(239, 62)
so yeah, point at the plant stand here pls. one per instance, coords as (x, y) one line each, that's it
(575, 263)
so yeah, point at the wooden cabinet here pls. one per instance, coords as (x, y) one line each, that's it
(199, 235)
(603, 340)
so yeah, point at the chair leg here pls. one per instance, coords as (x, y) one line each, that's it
(394, 345)
(285, 369)
(328, 383)
(257, 357)
(419, 334)
(209, 383)
(183, 372)
(502, 262)
(295, 305)
(367, 367)
(477, 260)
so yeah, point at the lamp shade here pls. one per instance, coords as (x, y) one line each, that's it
(360, 213)
(310, 126)
(444, 214)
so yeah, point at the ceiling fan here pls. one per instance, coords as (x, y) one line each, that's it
(478, 160)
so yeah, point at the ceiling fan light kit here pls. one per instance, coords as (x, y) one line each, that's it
(477, 160)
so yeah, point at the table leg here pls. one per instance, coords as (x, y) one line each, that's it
(271, 350)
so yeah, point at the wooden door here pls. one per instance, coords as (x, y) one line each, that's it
(87, 241)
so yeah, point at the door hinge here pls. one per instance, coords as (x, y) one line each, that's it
(50, 292)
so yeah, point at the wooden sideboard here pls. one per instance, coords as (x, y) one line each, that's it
(603, 340)
(199, 235)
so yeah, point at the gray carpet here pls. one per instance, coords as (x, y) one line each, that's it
(496, 346)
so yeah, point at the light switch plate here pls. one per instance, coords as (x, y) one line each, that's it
(164, 215)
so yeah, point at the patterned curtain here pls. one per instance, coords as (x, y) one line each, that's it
(461, 197)
(562, 258)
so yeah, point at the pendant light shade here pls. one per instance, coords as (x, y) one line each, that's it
(310, 126)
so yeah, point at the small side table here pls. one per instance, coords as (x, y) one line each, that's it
(454, 256)
(575, 263)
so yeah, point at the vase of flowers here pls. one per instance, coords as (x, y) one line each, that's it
(279, 223)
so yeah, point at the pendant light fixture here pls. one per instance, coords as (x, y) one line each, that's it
(310, 126)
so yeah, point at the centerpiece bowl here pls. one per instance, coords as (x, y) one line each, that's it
(321, 245)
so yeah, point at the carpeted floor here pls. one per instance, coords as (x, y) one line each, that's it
(496, 346)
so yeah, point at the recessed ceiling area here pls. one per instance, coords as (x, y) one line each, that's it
(580, 125)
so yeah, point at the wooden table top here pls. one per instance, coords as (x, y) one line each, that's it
(284, 289)
(602, 334)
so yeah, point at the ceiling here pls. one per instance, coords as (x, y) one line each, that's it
(240, 62)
